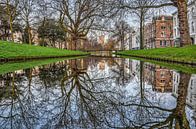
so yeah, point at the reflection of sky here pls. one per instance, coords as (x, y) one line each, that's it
(45, 105)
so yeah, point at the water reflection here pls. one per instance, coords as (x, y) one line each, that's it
(98, 93)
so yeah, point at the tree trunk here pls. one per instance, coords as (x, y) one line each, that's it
(182, 92)
(183, 22)
(11, 29)
(141, 80)
(141, 29)
(11, 17)
(29, 35)
(181, 118)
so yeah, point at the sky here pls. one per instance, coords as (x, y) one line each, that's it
(134, 22)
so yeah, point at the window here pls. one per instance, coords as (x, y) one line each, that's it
(178, 31)
(175, 21)
(160, 43)
(191, 82)
(163, 27)
(162, 74)
(165, 43)
(174, 32)
(192, 27)
(192, 10)
(163, 34)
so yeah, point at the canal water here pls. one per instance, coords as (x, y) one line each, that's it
(98, 93)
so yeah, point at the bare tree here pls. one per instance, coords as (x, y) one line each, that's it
(11, 7)
(27, 9)
(181, 6)
(139, 8)
(77, 17)
(43, 12)
(121, 29)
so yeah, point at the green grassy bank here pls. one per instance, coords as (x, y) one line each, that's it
(14, 66)
(10, 50)
(182, 55)
(173, 66)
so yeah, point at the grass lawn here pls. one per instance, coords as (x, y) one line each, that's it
(185, 54)
(13, 50)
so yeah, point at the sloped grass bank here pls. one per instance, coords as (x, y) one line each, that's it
(178, 67)
(10, 51)
(14, 66)
(185, 55)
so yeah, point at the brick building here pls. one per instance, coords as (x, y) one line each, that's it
(163, 80)
(159, 33)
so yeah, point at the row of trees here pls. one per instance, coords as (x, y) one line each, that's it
(75, 19)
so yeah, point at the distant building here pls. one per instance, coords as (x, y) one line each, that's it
(5, 32)
(127, 41)
(35, 38)
(191, 20)
(18, 37)
(135, 40)
(159, 34)
(148, 36)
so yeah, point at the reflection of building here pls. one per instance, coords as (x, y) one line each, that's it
(163, 80)
(101, 65)
(78, 63)
(101, 39)
(191, 20)
(191, 96)
(134, 68)
(149, 73)
(176, 82)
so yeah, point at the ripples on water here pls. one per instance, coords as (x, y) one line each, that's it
(97, 93)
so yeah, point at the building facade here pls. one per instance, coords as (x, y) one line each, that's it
(163, 79)
(148, 36)
(159, 34)
(191, 20)
(135, 40)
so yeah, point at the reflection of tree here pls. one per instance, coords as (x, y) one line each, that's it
(76, 87)
(178, 116)
(122, 76)
(14, 112)
(81, 98)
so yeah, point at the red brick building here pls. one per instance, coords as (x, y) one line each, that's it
(163, 79)
(159, 33)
